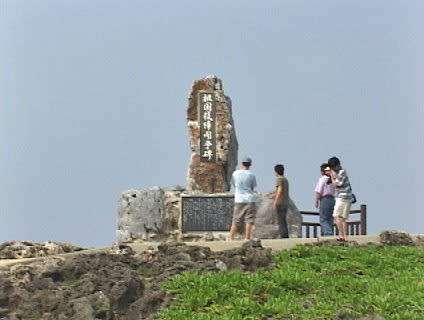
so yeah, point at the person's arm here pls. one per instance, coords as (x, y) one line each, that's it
(253, 183)
(319, 191)
(232, 182)
(278, 197)
(271, 196)
(317, 199)
(339, 178)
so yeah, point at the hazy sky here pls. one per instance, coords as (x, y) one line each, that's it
(93, 98)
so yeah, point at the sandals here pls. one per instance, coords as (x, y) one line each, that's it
(341, 239)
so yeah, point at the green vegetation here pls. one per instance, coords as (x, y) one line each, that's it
(309, 283)
(70, 282)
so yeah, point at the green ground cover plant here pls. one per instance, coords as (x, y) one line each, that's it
(308, 283)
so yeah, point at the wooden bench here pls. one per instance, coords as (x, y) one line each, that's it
(358, 227)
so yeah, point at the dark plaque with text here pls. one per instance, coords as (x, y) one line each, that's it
(207, 213)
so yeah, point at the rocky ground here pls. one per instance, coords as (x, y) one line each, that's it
(111, 285)
(120, 284)
(387, 238)
(26, 249)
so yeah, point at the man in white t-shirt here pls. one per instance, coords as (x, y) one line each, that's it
(244, 182)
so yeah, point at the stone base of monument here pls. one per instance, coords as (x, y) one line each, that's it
(161, 214)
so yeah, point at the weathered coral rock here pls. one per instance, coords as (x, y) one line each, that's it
(396, 238)
(211, 166)
(26, 249)
(111, 286)
(141, 214)
(151, 214)
(266, 224)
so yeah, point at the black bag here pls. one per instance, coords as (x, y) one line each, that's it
(353, 198)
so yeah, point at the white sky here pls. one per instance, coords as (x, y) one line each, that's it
(93, 98)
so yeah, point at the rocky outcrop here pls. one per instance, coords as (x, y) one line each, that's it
(112, 286)
(150, 214)
(141, 214)
(26, 249)
(212, 135)
(396, 238)
(387, 238)
(266, 223)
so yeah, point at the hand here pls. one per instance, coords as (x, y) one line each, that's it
(271, 196)
(274, 205)
(316, 203)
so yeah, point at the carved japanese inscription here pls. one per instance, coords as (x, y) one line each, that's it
(207, 127)
(206, 213)
(213, 141)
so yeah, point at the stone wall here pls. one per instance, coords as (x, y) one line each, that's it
(155, 215)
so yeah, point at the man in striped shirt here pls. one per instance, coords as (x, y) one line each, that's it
(343, 196)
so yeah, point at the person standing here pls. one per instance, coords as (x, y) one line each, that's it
(281, 200)
(343, 195)
(244, 182)
(324, 200)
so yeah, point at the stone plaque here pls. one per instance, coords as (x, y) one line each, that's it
(207, 122)
(207, 213)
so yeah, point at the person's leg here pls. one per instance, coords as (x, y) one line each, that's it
(233, 232)
(346, 211)
(238, 208)
(344, 228)
(330, 212)
(249, 218)
(249, 228)
(339, 227)
(338, 215)
(326, 216)
(282, 222)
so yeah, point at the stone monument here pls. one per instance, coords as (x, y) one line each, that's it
(203, 208)
(213, 139)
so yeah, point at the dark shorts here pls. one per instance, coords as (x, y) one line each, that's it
(244, 213)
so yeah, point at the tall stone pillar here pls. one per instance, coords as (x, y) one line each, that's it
(213, 139)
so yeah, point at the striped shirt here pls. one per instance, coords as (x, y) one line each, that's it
(343, 187)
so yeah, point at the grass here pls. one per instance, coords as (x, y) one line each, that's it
(308, 283)
(70, 282)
